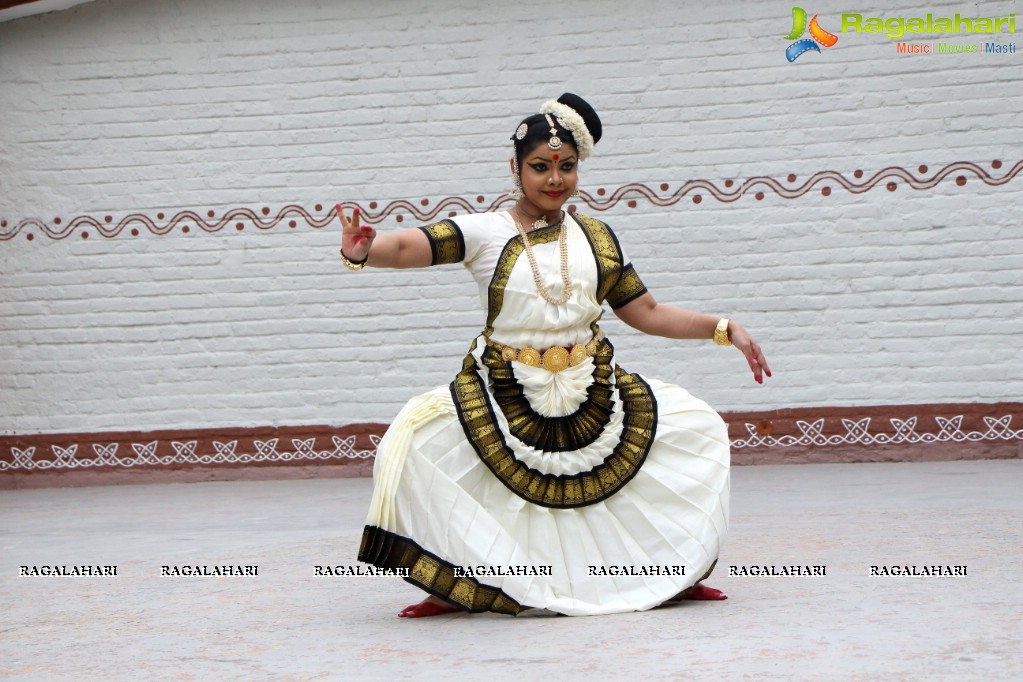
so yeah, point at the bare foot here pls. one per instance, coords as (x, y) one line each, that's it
(431, 606)
(701, 592)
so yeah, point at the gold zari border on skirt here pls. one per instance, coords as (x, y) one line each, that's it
(385, 549)
(553, 434)
(479, 423)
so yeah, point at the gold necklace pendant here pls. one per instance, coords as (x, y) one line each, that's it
(539, 222)
(542, 222)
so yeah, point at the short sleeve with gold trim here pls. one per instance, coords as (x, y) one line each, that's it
(628, 288)
(618, 282)
(446, 242)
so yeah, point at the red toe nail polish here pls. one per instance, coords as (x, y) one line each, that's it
(701, 592)
(427, 609)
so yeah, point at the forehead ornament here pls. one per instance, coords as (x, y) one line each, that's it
(555, 142)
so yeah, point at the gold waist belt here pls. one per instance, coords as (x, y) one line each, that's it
(553, 359)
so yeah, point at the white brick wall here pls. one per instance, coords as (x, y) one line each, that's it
(120, 107)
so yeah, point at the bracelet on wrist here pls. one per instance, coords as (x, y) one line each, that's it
(352, 264)
(721, 333)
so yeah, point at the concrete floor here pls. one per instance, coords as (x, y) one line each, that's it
(288, 624)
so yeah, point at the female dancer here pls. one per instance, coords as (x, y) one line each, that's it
(546, 475)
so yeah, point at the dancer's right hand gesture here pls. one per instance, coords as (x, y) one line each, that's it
(356, 239)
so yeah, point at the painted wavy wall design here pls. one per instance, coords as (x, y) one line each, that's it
(290, 216)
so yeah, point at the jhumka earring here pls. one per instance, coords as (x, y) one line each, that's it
(516, 192)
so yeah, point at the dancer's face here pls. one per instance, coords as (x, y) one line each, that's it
(549, 177)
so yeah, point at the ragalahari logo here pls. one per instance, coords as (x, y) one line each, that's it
(818, 36)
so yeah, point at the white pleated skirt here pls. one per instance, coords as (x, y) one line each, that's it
(582, 492)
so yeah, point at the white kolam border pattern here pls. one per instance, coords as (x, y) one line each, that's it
(857, 432)
(266, 452)
(185, 452)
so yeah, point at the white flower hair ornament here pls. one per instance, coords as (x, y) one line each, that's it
(570, 120)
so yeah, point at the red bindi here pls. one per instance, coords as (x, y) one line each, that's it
(556, 157)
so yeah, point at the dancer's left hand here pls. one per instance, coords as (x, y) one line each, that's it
(751, 349)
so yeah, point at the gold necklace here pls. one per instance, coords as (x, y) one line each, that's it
(542, 220)
(542, 290)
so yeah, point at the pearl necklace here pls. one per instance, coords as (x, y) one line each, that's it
(542, 290)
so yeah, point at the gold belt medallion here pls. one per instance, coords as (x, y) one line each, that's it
(554, 359)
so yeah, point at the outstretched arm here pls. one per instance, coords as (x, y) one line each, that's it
(650, 317)
(406, 249)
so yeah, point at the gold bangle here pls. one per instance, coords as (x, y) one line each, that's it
(721, 333)
(351, 265)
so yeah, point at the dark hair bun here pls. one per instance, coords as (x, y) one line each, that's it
(588, 114)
